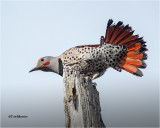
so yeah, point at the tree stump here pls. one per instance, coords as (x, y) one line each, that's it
(81, 101)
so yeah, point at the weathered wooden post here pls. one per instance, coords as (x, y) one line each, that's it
(81, 101)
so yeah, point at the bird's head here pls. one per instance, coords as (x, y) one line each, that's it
(49, 64)
(43, 64)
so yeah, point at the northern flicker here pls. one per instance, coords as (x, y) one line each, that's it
(119, 49)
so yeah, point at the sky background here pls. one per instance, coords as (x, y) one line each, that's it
(33, 29)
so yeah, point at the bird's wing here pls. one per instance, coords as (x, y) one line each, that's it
(75, 55)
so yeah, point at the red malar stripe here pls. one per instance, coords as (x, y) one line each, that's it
(46, 63)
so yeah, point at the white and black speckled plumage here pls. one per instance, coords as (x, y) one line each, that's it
(92, 60)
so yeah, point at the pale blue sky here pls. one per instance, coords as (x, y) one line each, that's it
(34, 29)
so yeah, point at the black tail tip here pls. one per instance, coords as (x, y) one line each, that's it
(143, 49)
(138, 73)
(119, 23)
(110, 21)
(145, 56)
(144, 65)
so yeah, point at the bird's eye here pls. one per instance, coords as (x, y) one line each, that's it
(42, 59)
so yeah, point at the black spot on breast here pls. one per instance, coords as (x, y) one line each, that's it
(111, 52)
(113, 64)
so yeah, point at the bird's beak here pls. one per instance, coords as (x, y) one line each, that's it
(34, 69)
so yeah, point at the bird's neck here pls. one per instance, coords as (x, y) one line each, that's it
(57, 66)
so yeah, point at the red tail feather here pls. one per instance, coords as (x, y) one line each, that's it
(120, 34)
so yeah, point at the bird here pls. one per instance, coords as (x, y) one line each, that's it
(120, 49)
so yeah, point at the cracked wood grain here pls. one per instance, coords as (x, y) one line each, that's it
(81, 101)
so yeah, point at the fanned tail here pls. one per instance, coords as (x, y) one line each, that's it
(136, 47)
